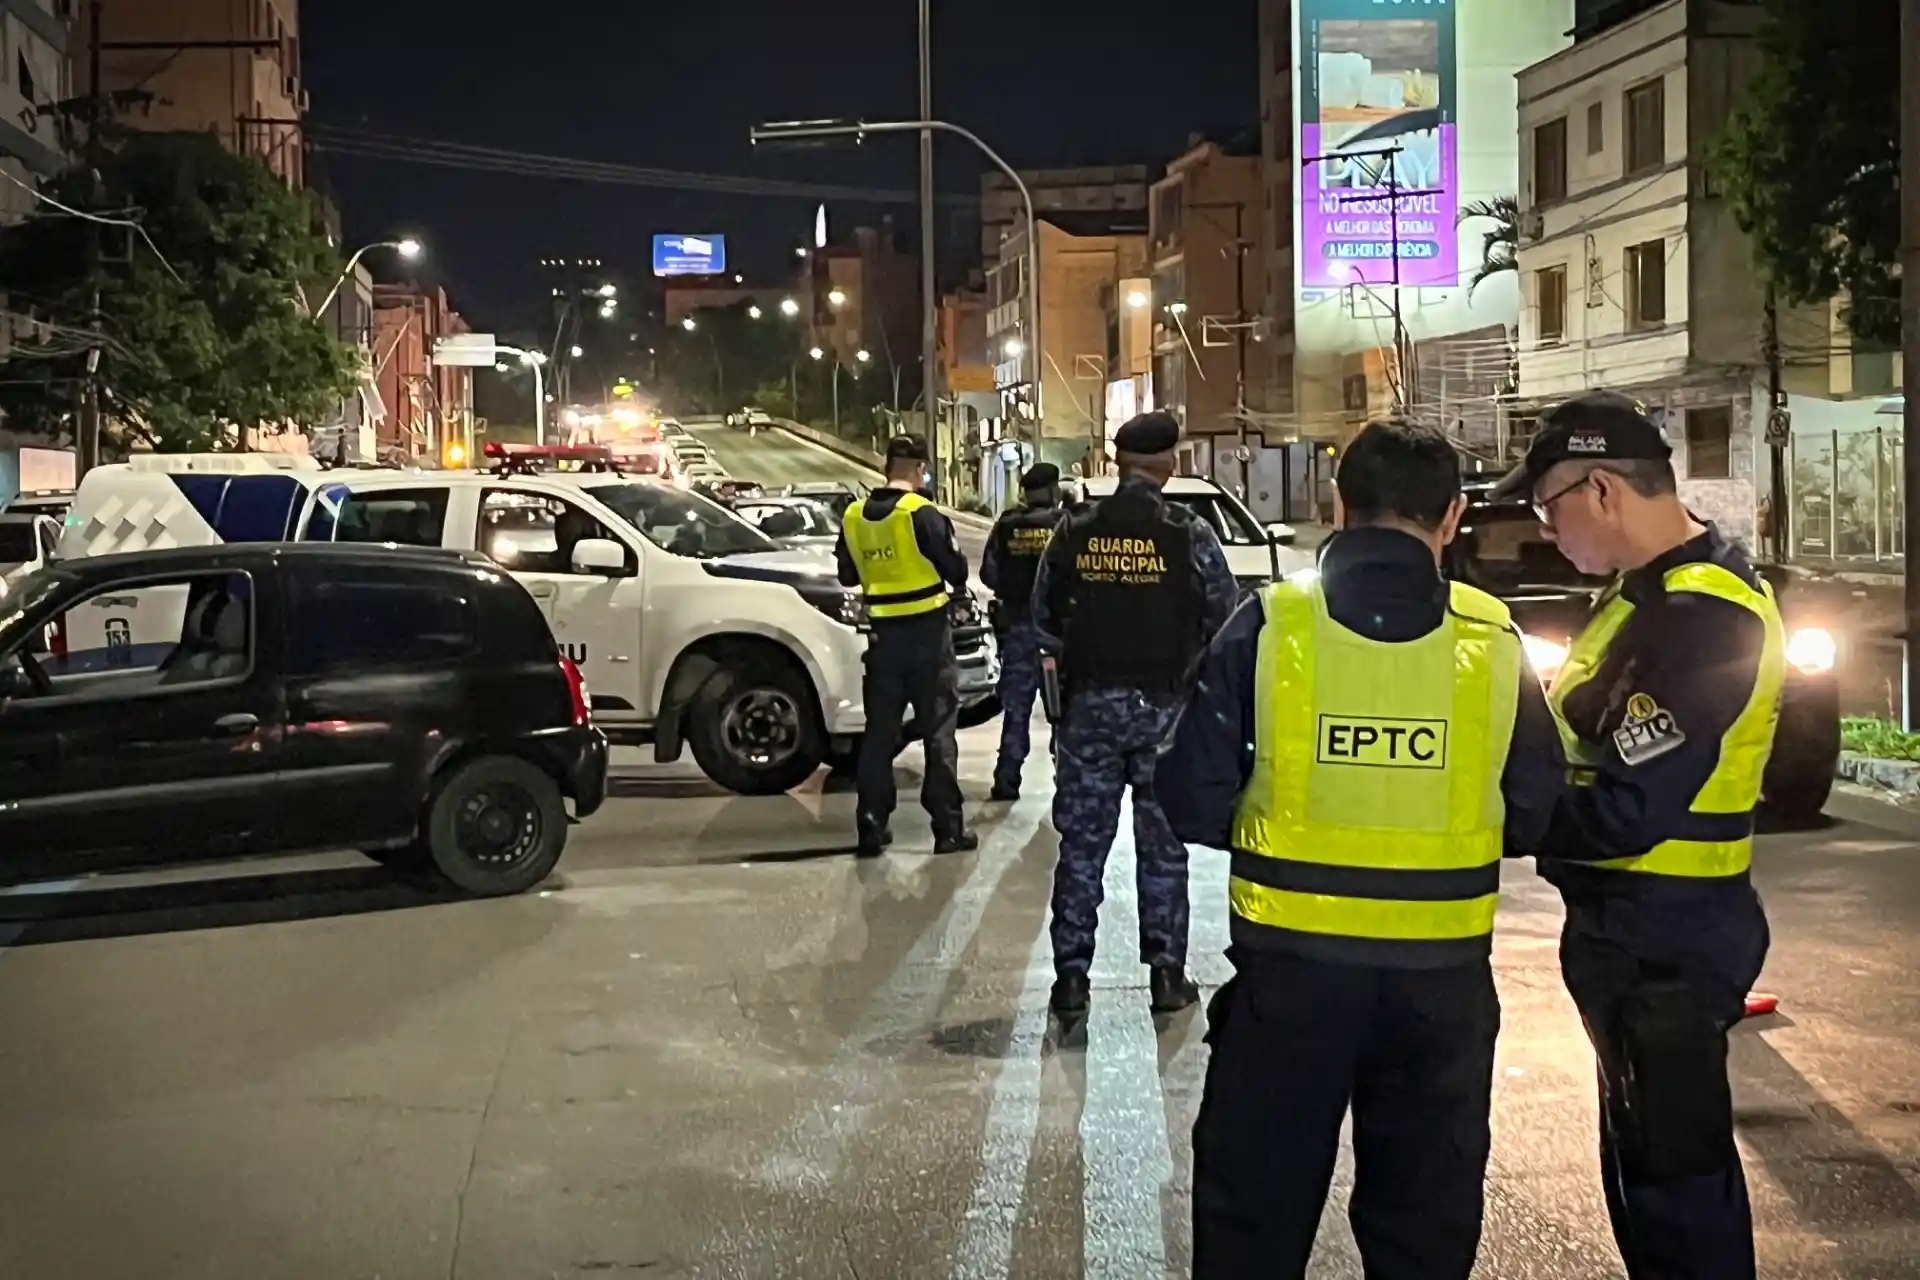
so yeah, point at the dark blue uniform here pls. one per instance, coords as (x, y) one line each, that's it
(1010, 567)
(1293, 1036)
(1124, 665)
(1660, 966)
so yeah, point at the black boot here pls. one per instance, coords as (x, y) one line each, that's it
(1170, 989)
(1071, 991)
(1004, 789)
(873, 840)
(960, 841)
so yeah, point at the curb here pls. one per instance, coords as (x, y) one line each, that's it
(1902, 777)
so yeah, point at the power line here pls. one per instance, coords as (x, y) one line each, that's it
(38, 194)
(459, 155)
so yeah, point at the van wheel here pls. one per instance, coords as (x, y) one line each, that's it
(496, 826)
(754, 730)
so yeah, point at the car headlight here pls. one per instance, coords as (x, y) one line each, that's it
(1545, 656)
(1812, 649)
(842, 604)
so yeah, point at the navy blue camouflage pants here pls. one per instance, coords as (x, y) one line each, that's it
(1019, 686)
(1110, 742)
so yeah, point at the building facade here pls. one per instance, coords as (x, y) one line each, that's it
(36, 42)
(253, 99)
(428, 406)
(1108, 189)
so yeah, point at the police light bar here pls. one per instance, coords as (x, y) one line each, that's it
(505, 452)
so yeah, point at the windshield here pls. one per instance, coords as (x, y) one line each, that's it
(1233, 522)
(16, 542)
(1502, 550)
(683, 523)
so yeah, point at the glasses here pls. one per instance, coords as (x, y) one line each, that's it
(1543, 507)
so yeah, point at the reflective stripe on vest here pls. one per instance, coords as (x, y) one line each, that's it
(1716, 840)
(897, 579)
(1371, 829)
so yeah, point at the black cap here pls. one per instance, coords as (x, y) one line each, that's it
(1148, 434)
(906, 449)
(1041, 475)
(1598, 426)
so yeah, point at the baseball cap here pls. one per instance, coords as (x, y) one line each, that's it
(1598, 426)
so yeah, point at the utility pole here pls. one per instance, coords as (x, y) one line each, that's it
(1777, 428)
(929, 303)
(1910, 338)
(88, 438)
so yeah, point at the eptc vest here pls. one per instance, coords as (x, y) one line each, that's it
(1133, 617)
(896, 577)
(1716, 840)
(1371, 831)
(1022, 537)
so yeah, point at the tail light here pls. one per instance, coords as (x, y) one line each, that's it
(577, 692)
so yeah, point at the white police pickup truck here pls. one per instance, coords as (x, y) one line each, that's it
(693, 628)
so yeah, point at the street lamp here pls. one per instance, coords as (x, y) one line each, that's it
(802, 132)
(609, 290)
(863, 355)
(755, 312)
(817, 353)
(1014, 347)
(789, 308)
(408, 249)
(576, 351)
(837, 297)
(688, 324)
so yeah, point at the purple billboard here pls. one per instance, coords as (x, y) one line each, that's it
(1378, 75)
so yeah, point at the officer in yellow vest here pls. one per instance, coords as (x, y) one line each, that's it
(1666, 706)
(901, 552)
(1368, 741)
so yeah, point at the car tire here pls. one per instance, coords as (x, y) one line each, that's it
(1798, 802)
(496, 826)
(979, 713)
(755, 731)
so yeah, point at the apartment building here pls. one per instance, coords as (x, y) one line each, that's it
(249, 91)
(427, 405)
(35, 47)
(1106, 189)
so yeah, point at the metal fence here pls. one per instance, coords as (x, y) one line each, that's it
(1844, 495)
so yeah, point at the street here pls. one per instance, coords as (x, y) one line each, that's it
(717, 1045)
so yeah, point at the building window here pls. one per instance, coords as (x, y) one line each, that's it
(1710, 443)
(1646, 126)
(1647, 285)
(1550, 287)
(1353, 392)
(26, 78)
(1168, 205)
(1550, 161)
(1596, 128)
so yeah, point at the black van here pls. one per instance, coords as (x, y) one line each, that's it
(289, 698)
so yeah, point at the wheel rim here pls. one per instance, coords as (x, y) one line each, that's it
(499, 826)
(761, 727)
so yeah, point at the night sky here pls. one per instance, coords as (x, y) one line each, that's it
(676, 86)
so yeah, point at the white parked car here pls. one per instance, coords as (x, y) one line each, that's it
(1256, 553)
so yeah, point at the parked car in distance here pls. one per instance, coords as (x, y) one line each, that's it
(405, 702)
(1502, 551)
(1256, 553)
(834, 493)
(791, 522)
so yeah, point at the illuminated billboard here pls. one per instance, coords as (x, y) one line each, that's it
(1377, 75)
(689, 255)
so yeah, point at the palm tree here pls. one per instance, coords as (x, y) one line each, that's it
(1498, 245)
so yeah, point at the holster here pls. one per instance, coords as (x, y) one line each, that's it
(1672, 1083)
(1050, 691)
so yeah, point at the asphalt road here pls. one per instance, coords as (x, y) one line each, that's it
(717, 1045)
(774, 457)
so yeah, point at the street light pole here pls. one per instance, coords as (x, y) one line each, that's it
(409, 249)
(802, 131)
(929, 305)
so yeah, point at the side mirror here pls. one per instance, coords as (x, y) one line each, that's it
(603, 556)
(1280, 535)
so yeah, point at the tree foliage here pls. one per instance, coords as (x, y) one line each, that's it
(1811, 159)
(1498, 245)
(203, 331)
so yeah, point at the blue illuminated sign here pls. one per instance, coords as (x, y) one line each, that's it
(689, 255)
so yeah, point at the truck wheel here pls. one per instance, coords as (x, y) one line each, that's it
(1797, 802)
(754, 731)
(496, 826)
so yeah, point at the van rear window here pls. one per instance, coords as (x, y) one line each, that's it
(244, 508)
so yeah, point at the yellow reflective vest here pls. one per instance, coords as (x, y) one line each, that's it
(896, 577)
(1716, 840)
(1371, 830)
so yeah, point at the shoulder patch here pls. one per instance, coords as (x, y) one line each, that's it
(1648, 732)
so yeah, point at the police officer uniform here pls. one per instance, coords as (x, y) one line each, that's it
(1009, 568)
(1368, 742)
(1128, 592)
(901, 551)
(1666, 706)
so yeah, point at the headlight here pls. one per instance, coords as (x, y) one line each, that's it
(841, 604)
(1812, 649)
(1543, 655)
